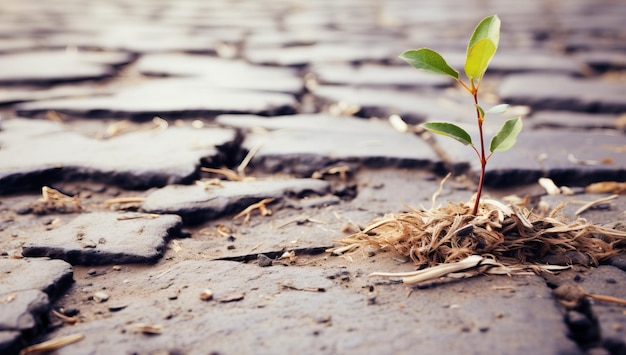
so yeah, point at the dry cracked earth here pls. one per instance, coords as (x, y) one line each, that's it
(173, 174)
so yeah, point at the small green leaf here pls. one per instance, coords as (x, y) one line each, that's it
(450, 130)
(498, 108)
(489, 27)
(481, 47)
(478, 58)
(507, 136)
(480, 111)
(430, 61)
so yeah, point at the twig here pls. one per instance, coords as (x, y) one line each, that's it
(593, 203)
(52, 344)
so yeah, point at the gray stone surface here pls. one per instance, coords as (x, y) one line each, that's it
(303, 144)
(573, 120)
(37, 150)
(52, 277)
(222, 73)
(316, 53)
(26, 291)
(274, 288)
(452, 321)
(377, 75)
(45, 67)
(555, 92)
(199, 203)
(381, 102)
(573, 158)
(23, 310)
(107, 238)
(186, 97)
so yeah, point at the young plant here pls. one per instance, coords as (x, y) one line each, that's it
(480, 49)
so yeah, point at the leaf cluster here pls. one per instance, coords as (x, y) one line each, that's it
(480, 50)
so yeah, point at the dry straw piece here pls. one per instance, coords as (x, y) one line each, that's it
(509, 235)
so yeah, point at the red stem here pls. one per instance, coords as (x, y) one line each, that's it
(483, 159)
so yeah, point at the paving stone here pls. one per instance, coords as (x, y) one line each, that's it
(22, 94)
(106, 238)
(222, 73)
(317, 53)
(377, 75)
(573, 120)
(23, 310)
(140, 37)
(609, 281)
(199, 204)
(556, 92)
(52, 277)
(568, 157)
(603, 61)
(272, 38)
(188, 97)
(509, 61)
(34, 152)
(26, 289)
(48, 67)
(304, 143)
(476, 316)
(413, 106)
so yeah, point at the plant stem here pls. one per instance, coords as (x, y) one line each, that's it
(483, 159)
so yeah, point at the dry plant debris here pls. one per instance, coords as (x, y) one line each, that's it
(52, 344)
(510, 238)
(571, 296)
(261, 206)
(54, 201)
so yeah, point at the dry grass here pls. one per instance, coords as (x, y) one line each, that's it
(510, 235)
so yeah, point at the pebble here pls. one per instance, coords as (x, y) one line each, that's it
(101, 296)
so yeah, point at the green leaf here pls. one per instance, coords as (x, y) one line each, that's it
(449, 130)
(507, 136)
(498, 108)
(478, 58)
(480, 111)
(482, 46)
(428, 60)
(489, 27)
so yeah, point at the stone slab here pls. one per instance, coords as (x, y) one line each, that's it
(199, 204)
(573, 120)
(377, 75)
(475, 316)
(558, 92)
(188, 97)
(33, 152)
(22, 94)
(318, 53)
(106, 238)
(305, 143)
(571, 158)
(47, 67)
(222, 73)
(512, 60)
(52, 277)
(23, 314)
(23, 310)
(414, 106)
(136, 36)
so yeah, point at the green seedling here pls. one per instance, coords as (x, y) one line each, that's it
(480, 50)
